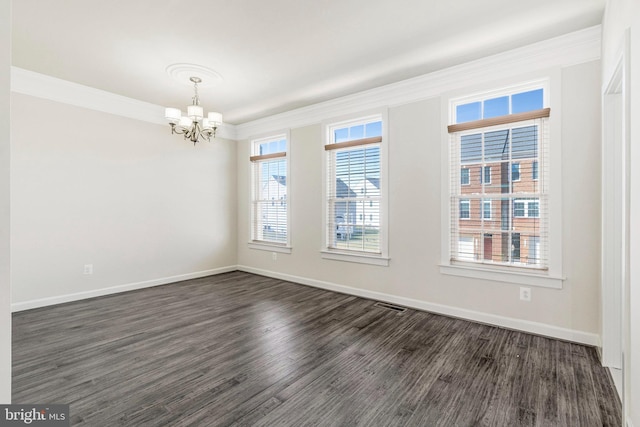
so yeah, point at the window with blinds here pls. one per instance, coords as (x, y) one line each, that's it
(269, 207)
(353, 194)
(499, 200)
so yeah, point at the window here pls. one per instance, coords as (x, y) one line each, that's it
(269, 189)
(354, 188)
(486, 209)
(485, 175)
(515, 172)
(503, 137)
(526, 208)
(465, 209)
(464, 176)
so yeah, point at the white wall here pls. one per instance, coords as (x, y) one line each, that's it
(5, 288)
(621, 15)
(143, 206)
(413, 276)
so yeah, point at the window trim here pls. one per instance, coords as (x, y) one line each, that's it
(265, 245)
(553, 277)
(381, 259)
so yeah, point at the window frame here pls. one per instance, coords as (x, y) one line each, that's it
(254, 142)
(553, 277)
(326, 252)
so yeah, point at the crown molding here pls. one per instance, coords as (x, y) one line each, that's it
(564, 51)
(54, 89)
(570, 49)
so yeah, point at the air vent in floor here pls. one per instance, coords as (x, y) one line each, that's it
(391, 307)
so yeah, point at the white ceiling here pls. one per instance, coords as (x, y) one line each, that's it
(274, 55)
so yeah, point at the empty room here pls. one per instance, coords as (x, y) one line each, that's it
(355, 213)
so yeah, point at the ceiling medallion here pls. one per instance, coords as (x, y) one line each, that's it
(182, 72)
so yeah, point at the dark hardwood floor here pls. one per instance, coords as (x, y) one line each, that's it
(240, 349)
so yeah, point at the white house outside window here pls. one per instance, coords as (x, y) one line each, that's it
(269, 190)
(355, 193)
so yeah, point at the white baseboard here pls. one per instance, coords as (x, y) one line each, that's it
(60, 299)
(616, 376)
(476, 316)
(629, 423)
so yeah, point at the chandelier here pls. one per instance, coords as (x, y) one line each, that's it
(194, 126)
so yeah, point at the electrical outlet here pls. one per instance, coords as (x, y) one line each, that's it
(525, 294)
(88, 269)
(274, 256)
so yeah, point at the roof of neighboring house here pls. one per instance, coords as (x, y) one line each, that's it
(343, 190)
(280, 179)
(374, 181)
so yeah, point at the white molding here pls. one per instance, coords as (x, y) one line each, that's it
(476, 316)
(616, 376)
(269, 247)
(355, 257)
(564, 51)
(60, 299)
(499, 275)
(53, 89)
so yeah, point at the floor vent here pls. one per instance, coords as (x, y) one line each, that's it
(391, 307)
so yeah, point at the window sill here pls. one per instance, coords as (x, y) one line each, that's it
(515, 277)
(357, 258)
(271, 247)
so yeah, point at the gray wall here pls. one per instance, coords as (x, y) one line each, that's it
(415, 145)
(143, 206)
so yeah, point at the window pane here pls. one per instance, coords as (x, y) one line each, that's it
(496, 145)
(525, 142)
(341, 135)
(534, 169)
(373, 129)
(468, 112)
(527, 101)
(496, 107)
(471, 148)
(356, 202)
(356, 132)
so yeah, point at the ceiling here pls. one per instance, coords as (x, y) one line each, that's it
(273, 55)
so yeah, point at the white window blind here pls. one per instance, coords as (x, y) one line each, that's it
(353, 194)
(269, 205)
(502, 216)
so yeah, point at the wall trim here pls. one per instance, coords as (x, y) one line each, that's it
(563, 51)
(476, 316)
(54, 89)
(61, 299)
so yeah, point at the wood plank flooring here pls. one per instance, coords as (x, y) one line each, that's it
(244, 350)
